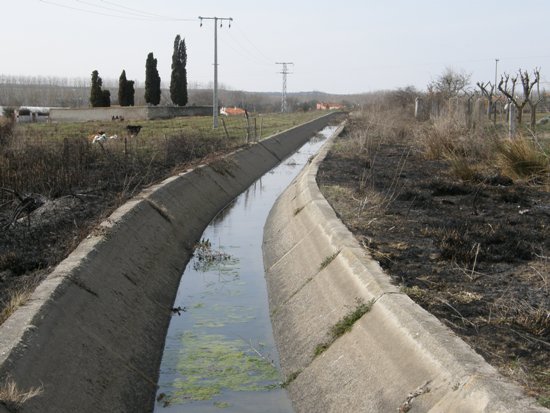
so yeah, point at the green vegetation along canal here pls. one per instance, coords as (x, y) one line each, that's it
(220, 354)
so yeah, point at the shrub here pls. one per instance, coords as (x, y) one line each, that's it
(6, 130)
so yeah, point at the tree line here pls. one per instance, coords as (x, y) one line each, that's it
(100, 97)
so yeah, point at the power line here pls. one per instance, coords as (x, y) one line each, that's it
(245, 52)
(145, 13)
(267, 59)
(284, 72)
(121, 15)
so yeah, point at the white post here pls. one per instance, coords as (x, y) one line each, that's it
(511, 120)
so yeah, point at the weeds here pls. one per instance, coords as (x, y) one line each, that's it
(291, 377)
(13, 397)
(345, 324)
(298, 210)
(328, 260)
(206, 256)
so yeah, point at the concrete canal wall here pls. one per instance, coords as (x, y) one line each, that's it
(396, 358)
(92, 334)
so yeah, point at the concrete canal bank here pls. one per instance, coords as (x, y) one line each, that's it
(92, 334)
(396, 357)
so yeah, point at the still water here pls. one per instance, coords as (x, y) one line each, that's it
(220, 354)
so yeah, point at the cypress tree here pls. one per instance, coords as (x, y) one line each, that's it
(152, 81)
(99, 97)
(122, 89)
(178, 80)
(130, 92)
(105, 98)
(96, 95)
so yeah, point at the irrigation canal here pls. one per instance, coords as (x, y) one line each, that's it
(220, 353)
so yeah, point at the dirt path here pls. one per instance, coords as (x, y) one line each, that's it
(474, 254)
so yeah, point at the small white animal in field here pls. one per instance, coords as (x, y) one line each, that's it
(115, 137)
(99, 138)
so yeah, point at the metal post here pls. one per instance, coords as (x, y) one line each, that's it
(496, 69)
(215, 94)
(215, 108)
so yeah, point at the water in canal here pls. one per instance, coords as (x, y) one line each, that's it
(220, 355)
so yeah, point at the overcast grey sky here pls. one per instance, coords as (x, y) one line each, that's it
(350, 46)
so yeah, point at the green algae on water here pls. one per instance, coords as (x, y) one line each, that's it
(210, 364)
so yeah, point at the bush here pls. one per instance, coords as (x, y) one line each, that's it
(6, 130)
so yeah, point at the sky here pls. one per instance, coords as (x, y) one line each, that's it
(344, 47)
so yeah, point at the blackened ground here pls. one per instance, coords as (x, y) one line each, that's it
(474, 254)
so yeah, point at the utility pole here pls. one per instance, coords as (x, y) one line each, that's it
(496, 69)
(215, 98)
(284, 72)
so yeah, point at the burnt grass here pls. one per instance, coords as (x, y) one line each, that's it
(73, 186)
(474, 254)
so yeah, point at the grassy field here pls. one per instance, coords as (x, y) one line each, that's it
(259, 125)
(55, 159)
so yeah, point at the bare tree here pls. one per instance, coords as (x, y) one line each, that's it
(404, 96)
(488, 90)
(519, 102)
(450, 83)
(532, 100)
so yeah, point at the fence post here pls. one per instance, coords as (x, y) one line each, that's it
(261, 126)
(511, 120)
(225, 128)
(418, 109)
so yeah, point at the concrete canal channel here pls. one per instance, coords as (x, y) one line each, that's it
(93, 332)
(220, 351)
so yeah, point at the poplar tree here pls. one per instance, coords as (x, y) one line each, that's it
(152, 81)
(178, 80)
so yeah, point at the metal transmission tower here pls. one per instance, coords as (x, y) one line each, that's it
(284, 72)
(215, 98)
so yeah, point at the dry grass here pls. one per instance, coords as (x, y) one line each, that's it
(471, 152)
(461, 166)
(440, 137)
(17, 298)
(13, 397)
(522, 158)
